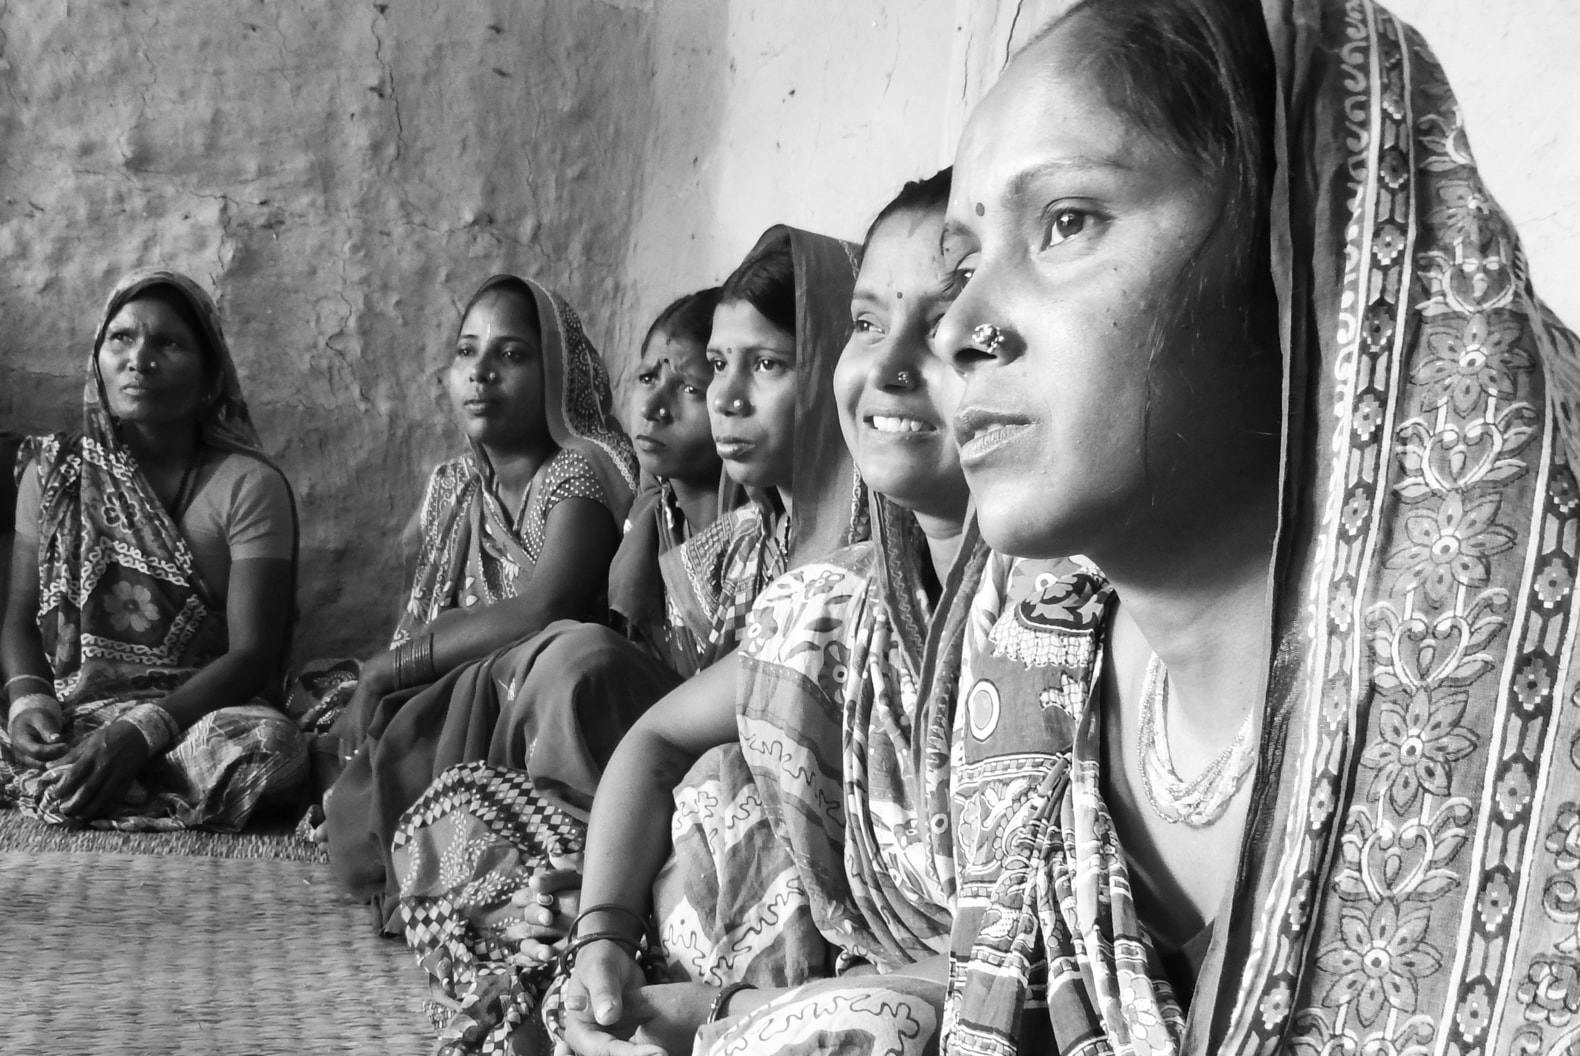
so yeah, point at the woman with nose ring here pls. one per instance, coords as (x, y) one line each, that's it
(817, 849)
(153, 577)
(512, 533)
(1289, 766)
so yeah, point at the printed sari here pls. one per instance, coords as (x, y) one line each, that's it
(846, 705)
(474, 554)
(476, 836)
(1408, 883)
(126, 617)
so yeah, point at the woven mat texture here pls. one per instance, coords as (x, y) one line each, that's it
(18, 832)
(197, 954)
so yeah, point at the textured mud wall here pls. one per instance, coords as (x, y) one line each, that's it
(339, 174)
(342, 173)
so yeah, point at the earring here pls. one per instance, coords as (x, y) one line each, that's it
(989, 337)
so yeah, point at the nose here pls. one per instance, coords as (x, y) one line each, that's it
(971, 334)
(484, 369)
(140, 357)
(728, 393)
(897, 366)
(654, 406)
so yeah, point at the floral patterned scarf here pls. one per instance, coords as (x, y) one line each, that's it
(1410, 879)
(123, 613)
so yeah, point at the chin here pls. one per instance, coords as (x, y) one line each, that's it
(1012, 529)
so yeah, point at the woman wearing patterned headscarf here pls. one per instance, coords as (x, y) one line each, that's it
(1293, 768)
(513, 532)
(146, 652)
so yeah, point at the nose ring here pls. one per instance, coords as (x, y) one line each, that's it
(988, 337)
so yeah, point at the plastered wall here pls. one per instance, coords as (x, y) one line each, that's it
(342, 174)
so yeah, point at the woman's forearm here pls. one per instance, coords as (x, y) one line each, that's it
(628, 835)
(230, 680)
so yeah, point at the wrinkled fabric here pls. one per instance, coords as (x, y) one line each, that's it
(124, 615)
(705, 584)
(1408, 881)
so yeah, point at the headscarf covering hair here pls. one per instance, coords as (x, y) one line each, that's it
(825, 493)
(468, 536)
(713, 579)
(1408, 876)
(578, 402)
(224, 420)
(92, 491)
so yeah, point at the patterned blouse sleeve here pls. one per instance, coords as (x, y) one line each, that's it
(571, 476)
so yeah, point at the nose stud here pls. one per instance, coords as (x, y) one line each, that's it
(902, 378)
(737, 404)
(988, 337)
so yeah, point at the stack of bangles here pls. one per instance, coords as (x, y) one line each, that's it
(414, 662)
(575, 941)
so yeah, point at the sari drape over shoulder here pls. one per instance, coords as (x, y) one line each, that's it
(1408, 880)
(473, 555)
(454, 905)
(125, 615)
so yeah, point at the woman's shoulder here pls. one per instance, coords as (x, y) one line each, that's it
(569, 467)
(811, 604)
(248, 470)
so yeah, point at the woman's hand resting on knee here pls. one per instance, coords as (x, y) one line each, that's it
(549, 903)
(607, 1011)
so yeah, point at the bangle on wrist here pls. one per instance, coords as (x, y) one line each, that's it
(414, 662)
(49, 687)
(721, 1004)
(33, 702)
(158, 728)
(610, 907)
(574, 946)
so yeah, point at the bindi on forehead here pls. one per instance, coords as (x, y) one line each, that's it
(981, 209)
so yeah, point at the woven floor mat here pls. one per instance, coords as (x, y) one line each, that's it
(19, 832)
(143, 954)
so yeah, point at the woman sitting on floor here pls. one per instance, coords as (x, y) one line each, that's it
(151, 599)
(514, 531)
(818, 839)
(781, 317)
(1299, 774)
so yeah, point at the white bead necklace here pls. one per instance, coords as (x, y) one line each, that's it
(1203, 799)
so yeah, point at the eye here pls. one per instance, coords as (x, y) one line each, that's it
(647, 377)
(462, 351)
(717, 363)
(955, 280)
(514, 353)
(694, 390)
(767, 365)
(1064, 224)
(865, 325)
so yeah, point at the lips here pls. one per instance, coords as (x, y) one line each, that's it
(648, 443)
(733, 447)
(980, 433)
(478, 404)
